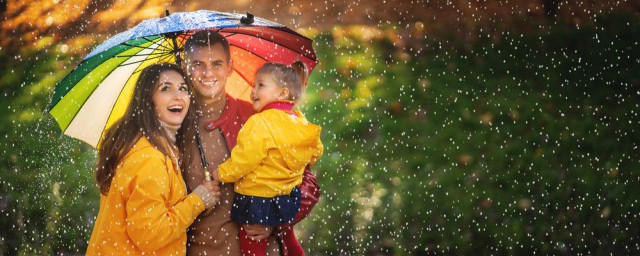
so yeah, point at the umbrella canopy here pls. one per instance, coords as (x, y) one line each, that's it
(97, 92)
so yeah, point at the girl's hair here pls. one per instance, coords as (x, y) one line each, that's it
(140, 119)
(292, 77)
(302, 70)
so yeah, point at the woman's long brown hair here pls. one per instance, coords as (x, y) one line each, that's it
(139, 119)
(186, 137)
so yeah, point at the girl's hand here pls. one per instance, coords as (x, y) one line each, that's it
(258, 232)
(214, 175)
(213, 187)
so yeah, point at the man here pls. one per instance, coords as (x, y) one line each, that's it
(207, 62)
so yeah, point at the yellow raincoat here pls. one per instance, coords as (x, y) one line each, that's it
(147, 209)
(271, 153)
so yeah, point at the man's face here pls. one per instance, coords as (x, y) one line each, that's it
(208, 68)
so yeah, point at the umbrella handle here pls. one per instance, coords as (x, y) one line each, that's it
(203, 159)
(207, 175)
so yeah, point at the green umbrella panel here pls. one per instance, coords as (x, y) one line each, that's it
(96, 94)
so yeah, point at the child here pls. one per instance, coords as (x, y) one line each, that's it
(273, 149)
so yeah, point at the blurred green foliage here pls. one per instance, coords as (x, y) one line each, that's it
(522, 144)
(47, 196)
(516, 145)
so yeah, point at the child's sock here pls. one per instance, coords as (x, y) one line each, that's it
(290, 243)
(251, 247)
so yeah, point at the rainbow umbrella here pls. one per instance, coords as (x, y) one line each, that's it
(96, 93)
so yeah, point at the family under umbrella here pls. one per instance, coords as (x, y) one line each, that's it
(202, 149)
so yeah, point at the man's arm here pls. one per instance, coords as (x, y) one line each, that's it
(310, 194)
(310, 190)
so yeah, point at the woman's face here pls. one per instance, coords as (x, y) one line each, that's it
(171, 98)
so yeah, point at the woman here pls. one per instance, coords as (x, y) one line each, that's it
(144, 206)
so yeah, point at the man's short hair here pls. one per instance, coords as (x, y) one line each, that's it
(206, 38)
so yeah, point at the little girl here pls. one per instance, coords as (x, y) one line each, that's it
(273, 148)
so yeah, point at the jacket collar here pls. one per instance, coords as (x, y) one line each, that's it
(284, 105)
(213, 124)
(232, 118)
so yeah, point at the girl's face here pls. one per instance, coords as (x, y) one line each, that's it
(171, 98)
(266, 90)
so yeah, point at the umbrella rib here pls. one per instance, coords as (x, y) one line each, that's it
(291, 32)
(281, 29)
(135, 46)
(90, 94)
(50, 105)
(84, 61)
(243, 77)
(261, 38)
(137, 71)
(281, 45)
(248, 50)
(119, 94)
(152, 43)
(164, 57)
(114, 104)
(152, 58)
(263, 58)
(146, 54)
(184, 38)
(159, 44)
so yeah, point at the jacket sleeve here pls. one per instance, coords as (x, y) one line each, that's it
(151, 223)
(251, 148)
(318, 153)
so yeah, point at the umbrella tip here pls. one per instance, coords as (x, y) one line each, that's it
(247, 20)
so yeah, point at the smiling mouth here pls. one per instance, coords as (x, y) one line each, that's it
(209, 83)
(175, 109)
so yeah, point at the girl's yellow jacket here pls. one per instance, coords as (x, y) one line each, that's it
(271, 152)
(147, 209)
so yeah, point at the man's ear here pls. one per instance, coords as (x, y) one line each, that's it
(284, 93)
(230, 71)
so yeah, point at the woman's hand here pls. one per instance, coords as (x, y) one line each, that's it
(209, 192)
(258, 232)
